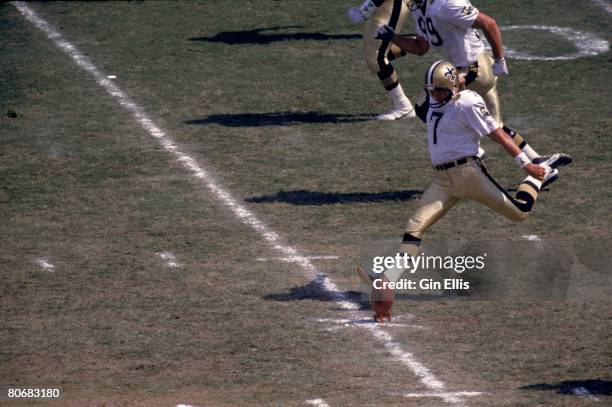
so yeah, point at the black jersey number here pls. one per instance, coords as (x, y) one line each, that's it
(438, 116)
(427, 26)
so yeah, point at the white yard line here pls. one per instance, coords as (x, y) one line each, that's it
(317, 403)
(426, 377)
(532, 238)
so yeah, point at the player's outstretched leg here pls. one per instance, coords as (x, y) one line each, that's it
(484, 189)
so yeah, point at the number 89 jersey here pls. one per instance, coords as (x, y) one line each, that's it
(447, 26)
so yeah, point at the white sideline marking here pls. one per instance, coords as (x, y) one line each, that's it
(45, 265)
(603, 4)
(297, 259)
(317, 403)
(532, 238)
(427, 378)
(185, 405)
(170, 259)
(584, 393)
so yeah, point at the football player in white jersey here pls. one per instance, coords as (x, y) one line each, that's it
(378, 53)
(456, 122)
(450, 26)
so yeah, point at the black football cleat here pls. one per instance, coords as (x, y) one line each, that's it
(554, 161)
(552, 176)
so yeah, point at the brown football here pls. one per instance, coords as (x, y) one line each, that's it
(381, 301)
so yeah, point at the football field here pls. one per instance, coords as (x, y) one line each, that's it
(186, 189)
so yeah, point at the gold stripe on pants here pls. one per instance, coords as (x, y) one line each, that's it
(468, 181)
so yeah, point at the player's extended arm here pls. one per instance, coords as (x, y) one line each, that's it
(501, 137)
(412, 44)
(491, 30)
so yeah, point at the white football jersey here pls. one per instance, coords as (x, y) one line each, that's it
(447, 26)
(455, 128)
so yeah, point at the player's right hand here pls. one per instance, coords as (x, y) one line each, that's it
(536, 171)
(500, 68)
(385, 33)
(355, 16)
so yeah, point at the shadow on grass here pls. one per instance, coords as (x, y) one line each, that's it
(303, 197)
(315, 290)
(258, 36)
(277, 119)
(595, 387)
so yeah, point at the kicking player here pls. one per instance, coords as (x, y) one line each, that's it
(456, 122)
(378, 53)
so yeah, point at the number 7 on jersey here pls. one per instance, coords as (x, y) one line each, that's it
(438, 116)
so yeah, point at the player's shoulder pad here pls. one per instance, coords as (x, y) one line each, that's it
(454, 8)
(468, 97)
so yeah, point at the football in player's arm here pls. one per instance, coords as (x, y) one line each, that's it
(450, 27)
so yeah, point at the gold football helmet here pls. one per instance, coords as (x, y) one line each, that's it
(442, 74)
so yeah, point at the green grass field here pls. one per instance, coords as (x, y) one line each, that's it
(274, 100)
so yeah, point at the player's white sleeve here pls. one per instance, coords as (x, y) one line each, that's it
(459, 13)
(476, 115)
